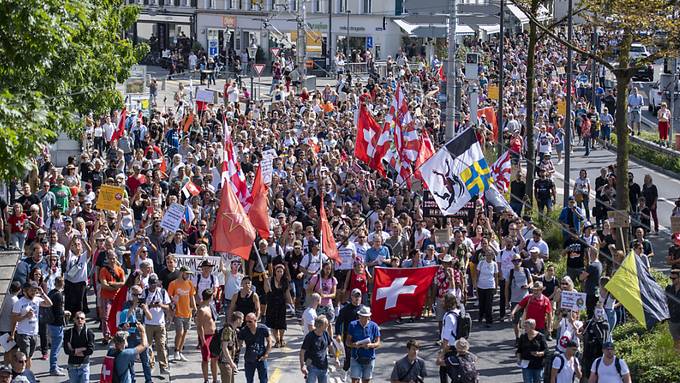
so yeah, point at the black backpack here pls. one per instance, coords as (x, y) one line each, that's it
(462, 370)
(463, 324)
(563, 361)
(215, 345)
(617, 365)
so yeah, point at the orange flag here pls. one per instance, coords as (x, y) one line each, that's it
(259, 210)
(233, 231)
(188, 121)
(328, 245)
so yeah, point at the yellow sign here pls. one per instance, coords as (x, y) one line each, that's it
(110, 198)
(562, 107)
(313, 41)
(493, 91)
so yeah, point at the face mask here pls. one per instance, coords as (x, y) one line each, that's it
(599, 314)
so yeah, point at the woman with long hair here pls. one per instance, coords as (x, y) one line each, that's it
(278, 299)
(325, 284)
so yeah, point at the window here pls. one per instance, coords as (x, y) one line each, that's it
(294, 5)
(366, 6)
(317, 6)
(341, 6)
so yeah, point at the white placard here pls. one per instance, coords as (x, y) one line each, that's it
(173, 217)
(205, 95)
(193, 262)
(267, 165)
(573, 300)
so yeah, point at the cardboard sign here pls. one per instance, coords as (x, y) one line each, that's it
(442, 237)
(267, 165)
(492, 91)
(573, 300)
(618, 219)
(562, 107)
(173, 217)
(110, 198)
(192, 262)
(259, 68)
(205, 95)
(675, 224)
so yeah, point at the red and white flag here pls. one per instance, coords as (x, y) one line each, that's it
(190, 189)
(232, 173)
(400, 292)
(425, 151)
(501, 170)
(372, 142)
(120, 125)
(403, 169)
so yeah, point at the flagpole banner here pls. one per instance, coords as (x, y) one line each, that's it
(457, 173)
(399, 293)
(193, 262)
(173, 217)
(636, 289)
(110, 198)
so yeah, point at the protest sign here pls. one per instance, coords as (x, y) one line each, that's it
(193, 262)
(573, 300)
(267, 165)
(173, 217)
(110, 198)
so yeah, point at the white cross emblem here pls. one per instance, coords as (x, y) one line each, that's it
(105, 373)
(393, 291)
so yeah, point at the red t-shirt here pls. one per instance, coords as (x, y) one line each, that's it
(537, 309)
(358, 281)
(17, 222)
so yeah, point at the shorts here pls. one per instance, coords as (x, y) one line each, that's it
(205, 349)
(518, 314)
(341, 275)
(634, 117)
(674, 328)
(361, 371)
(327, 311)
(26, 344)
(182, 324)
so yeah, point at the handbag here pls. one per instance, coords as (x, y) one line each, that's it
(74, 270)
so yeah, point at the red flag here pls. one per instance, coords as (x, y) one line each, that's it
(490, 114)
(116, 307)
(425, 151)
(233, 232)
(188, 121)
(106, 375)
(328, 245)
(400, 292)
(120, 130)
(259, 210)
(501, 170)
(373, 140)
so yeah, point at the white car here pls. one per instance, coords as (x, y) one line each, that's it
(656, 96)
(638, 51)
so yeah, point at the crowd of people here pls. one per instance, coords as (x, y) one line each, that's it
(81, 262)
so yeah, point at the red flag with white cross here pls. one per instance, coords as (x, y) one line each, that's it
(400, 293)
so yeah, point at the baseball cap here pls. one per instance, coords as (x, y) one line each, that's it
(607, 345)
(185, 269)
(356, 292)
(4, 369)
(30, 285)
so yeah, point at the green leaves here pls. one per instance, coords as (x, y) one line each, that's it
(59, 59)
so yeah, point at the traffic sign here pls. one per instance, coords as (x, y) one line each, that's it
(275, 51)
(369, 42)
(259, 68)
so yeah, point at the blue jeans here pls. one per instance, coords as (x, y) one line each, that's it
(56, 338)
(611, 319)
(80, 374)
(133, 341)
(316, 375)
(261, 368)
(532, 375)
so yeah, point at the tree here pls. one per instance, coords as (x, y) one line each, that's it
(623, 22)
(59, 60)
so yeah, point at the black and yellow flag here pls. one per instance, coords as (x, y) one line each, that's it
(636, 289)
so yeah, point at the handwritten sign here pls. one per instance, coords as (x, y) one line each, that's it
(562, 107)
(205, 95)
(173, 217)
(267, 164)
(110, 198)
(193, 262)
(573, 300)
(493, 91)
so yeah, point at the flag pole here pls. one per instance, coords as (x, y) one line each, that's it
(259, 259)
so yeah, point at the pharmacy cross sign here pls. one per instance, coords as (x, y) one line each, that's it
(392, 292)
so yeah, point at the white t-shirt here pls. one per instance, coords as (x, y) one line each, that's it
(347, 253)
(568, 369)
(313, 263)
(233, 284)
(22, 306)
(203, 283)
(157, 315)
(607, 373)
(542, 246)
(487, 272)
(308, 317)
(79, 265)
(450, 326)
(504, 258)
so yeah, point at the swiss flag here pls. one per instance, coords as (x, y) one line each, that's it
(372, 142)
(108, 364)
(120, 126)
(400, 292)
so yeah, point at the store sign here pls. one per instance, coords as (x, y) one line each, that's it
(356, 29)
(229, 22)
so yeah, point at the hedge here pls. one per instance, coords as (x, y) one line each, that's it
(652, 156)
(649, 354)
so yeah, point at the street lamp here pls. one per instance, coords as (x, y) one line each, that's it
(252, 53)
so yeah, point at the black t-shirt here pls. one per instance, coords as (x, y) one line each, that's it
(576, 247)
(549, 286)
(650, 193)
(674, 252)
(27, 201)
(316, 349)
(543, 188)
(166, 276)
(634, 194)
(256, 344)
(594, 271)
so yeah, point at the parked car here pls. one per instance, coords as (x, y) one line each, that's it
(645, 73)
(638, 50)
(656, 96)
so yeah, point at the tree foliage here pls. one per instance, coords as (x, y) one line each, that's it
(59, 59)
(654, 23)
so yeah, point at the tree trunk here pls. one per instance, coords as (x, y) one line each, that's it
(531, 70)
(623, 77)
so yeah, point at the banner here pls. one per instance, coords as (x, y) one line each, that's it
(110, 198)
(573, 300)
(192, 262)
(267, 165)
(430, 209)
(173, 217)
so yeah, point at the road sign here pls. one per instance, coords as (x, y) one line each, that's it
(212, 48)
(369, 42)
(275, 51)
(259, 68)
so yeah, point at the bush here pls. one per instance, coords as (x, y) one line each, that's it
(653, 156)
(649, 354)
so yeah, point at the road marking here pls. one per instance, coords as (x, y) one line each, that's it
(276, 375)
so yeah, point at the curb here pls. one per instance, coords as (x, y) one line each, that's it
(646, 164)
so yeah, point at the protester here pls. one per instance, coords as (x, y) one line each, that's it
(673, 301)
(229, 347)
(363, 338)
(531, 349)
(314, 352)
(258, 345)
(410, 368)
(79, 345)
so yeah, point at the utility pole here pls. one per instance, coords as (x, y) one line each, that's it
(567, 118)
(301, 47)
(329, 39)
(451, 75)
(347, 30)
(593, 75)
(674, 88)
(501, 80)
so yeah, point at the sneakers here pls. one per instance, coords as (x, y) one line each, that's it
(165, 371)
(183, 358)
(176, 357)
(58, 372)
(44, 356)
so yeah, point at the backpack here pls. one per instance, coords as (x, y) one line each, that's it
(512, 275)
(462, 370)
(212, 280)
(559, 356)
(463, 324)
(215, 345)
(617, 365)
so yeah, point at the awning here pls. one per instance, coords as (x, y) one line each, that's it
(543, 13)
(431, 29)
(490, 29)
